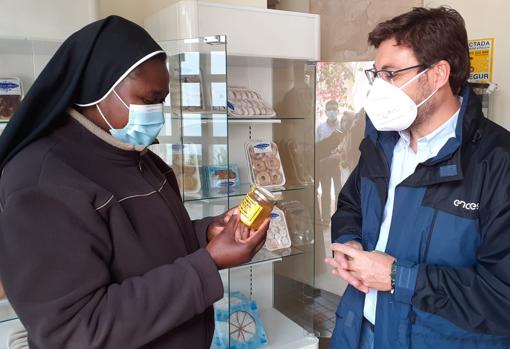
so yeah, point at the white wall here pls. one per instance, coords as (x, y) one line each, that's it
(137, 10)
(345, 25)
(489, 19)
(48, 19)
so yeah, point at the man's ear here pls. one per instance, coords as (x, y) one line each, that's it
(440, 74)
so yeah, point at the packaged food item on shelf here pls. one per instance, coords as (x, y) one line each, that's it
(256, 207)
(185, 163)
(299, 152)
(238, 323)
(10, 96)
(243, 102)
(278, 233)
(299, 223)
(265, 164)
(222, 176)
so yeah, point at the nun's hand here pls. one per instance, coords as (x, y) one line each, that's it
(227, 251)
(219, 223)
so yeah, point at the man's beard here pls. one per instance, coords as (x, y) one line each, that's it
(427, 108)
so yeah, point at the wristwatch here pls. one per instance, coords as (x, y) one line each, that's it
(393, 275)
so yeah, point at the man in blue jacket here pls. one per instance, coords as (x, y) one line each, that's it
(422, 229)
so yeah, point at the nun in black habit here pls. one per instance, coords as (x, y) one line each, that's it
(96, 247)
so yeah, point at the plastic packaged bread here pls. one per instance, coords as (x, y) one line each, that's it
(299, 222)
(265, 164)
(299, 152)
(243, 102)
(278, 233)
(185, 166)
(10, 96)
(222, 176)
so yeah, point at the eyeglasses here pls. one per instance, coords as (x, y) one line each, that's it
(389, 75)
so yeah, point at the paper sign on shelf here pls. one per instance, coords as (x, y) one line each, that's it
(481, 52)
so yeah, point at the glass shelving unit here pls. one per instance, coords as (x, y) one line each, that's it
(201, 134)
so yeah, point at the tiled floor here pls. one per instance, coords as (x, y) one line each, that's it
(311, 308)
(324, 307)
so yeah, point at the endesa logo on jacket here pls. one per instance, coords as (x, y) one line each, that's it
(473, 206)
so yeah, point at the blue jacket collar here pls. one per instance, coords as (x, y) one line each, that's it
(377, 148)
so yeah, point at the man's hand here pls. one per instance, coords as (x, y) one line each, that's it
(340, 266)
(219, 223)
(372, 269)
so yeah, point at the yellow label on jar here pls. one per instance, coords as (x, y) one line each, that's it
(249, 210)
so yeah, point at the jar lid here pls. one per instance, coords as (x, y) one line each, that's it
(264, 194)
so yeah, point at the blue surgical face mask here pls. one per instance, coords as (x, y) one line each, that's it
(331, 114)
(144, 124)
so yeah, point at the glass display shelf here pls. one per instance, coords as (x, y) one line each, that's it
(264, 255)
(240, 191)
(222, 116)
(205, 137)
(254, 117)
(262, 120)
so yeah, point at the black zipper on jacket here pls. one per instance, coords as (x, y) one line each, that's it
(429, 237)
(387, 167)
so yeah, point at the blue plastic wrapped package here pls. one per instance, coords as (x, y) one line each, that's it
(220, 340)
(220, 177)
(239, 328)
(10, 96)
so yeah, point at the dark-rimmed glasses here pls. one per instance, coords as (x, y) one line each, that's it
(389, 75)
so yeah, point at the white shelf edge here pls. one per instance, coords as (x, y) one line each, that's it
(260, 9)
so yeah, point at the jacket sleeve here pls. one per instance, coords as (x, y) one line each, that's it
(475, 298)
(346, 222)
(200, 226)
(55, 256)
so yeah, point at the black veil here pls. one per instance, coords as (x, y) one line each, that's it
(86, 67)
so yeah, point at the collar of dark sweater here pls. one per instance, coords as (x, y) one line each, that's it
(102, 134)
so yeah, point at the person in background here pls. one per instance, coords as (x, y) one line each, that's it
(352, 127)
(96, 247)
(329, 137)
(422, 227)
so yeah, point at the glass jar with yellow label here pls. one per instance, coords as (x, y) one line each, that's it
(256, 207)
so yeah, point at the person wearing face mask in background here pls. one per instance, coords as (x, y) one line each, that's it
(352, 128)
(328, 137)
(422, 226)
(96, 247)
